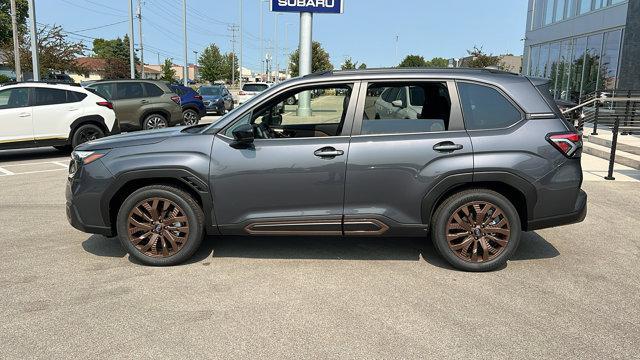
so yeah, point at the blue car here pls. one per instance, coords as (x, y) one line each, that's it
(192, 105)
(217, 99)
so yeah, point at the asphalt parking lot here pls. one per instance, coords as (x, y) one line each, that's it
(570, 292)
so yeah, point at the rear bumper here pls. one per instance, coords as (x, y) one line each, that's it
(576, 216)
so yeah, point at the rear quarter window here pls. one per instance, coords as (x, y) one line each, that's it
(255, 87)
(153, 90)
(485, 107)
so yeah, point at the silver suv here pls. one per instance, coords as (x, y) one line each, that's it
(486, 156)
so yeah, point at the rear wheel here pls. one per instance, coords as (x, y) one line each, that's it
(160, 225)
(476, 230)
(291, 101)
(86, 133)
(190, 117)
(154, 121)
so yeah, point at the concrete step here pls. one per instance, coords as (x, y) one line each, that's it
(622, 157)
(626, 143)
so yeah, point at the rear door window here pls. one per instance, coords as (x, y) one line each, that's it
(129, 90)
(74, 96)
(45, 96)
(485, 107)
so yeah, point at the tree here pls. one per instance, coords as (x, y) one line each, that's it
(349, 64)
(413, 61)
(229, 64)
(212, 64)
(362, 66)
(437, 62)
(115, 52)
(479, 59)
(320, 60)
(56, 53)
(6, 33)
(168, 73)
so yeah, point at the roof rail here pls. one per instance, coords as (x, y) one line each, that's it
(50, 82)
(491, 69)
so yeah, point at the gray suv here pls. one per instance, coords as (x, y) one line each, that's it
(487, 156)
(141, 104)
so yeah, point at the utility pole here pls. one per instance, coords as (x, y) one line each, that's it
(140, 36)
(16, 45)
(261, 37)
(241, 32)
(34, 41)
(233, 29)
(132, 56)
(185, 80)
(305, 66)
(195, 66)
(397, 60)
(275, 51)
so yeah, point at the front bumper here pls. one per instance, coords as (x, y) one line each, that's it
(217, 107)
(576, 216)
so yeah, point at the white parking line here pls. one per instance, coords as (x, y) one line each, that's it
(6, 172)
(38, 171)
(33, 163)
(61, 164)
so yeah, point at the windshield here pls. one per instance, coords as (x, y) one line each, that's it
(255, 87)
(210, 91)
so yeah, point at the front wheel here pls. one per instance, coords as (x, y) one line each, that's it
(476, 230)
(291, 101)
(160, 225)
(86, 133)
(190, 117)
(154, 121)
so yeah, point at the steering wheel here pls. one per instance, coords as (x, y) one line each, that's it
(264, 132)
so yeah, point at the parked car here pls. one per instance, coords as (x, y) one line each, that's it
(41, 114)
(505, 161)
(400, 102)
(217, 98)
(250, 90)
(193, 107)
(141, 104)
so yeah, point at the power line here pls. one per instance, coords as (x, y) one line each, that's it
(91, 9)
(100, 27)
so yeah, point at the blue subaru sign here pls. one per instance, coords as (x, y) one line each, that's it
(314, 6)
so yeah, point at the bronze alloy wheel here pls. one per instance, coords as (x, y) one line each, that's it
(478, 231)
(158, 227)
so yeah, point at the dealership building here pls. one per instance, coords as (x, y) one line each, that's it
(583, 45)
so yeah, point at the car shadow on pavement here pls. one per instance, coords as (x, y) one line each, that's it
(532, 246)
(31, 154)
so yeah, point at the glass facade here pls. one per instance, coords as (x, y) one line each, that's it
(547, 12)
(578, 66)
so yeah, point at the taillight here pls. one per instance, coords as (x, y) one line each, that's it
(199, 97)
(176, 99)
(567, 143)
(105, 104)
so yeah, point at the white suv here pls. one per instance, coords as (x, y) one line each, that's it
(250, 90)
(41, 114)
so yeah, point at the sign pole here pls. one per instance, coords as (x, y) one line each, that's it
(304, 65)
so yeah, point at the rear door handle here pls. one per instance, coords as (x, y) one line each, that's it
(447, 146)
(328, 151)
(24, 114)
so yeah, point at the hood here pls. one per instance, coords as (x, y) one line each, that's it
(131, 139)
(211, 97)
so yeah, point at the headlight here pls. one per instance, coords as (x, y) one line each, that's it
(87, 157)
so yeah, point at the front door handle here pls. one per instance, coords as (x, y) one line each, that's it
(24, 114)
(328, 151)
(144, 101)
(447, 146)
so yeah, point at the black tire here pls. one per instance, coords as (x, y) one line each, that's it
(154, 121)
(86, 132)
(291, 101)
(190, 208)
(446, 210)
(190, 117)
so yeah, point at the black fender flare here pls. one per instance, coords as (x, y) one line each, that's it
(449, 183)
(88, 119)
(184, 176)
(162, 112)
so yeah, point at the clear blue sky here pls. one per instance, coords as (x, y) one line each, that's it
(366, 31)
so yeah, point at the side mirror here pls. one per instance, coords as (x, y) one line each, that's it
(244, 134)
(397, 103)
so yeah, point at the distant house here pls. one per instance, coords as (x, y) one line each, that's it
(94, 69)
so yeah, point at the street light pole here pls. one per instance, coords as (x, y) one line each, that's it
(286, 48)
(132, 56)
(16, 45)
(185, 80)
(261, 37)
(195, 66)
(34, 41)
(305, 66)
